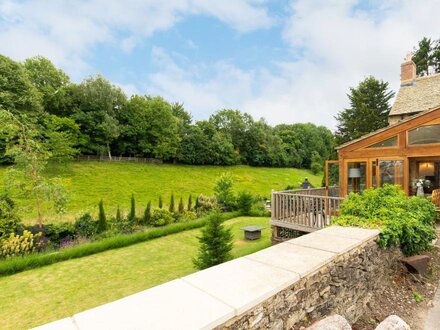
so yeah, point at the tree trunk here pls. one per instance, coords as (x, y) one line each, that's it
(40, 216)
(108, 150)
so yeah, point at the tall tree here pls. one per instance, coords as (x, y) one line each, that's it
(427, 56)
(52, 83)
(97, 103)
(368, 111)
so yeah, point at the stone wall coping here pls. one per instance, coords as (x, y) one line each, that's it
(209, 298)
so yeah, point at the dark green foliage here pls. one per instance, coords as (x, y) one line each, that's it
(189, 206)
(197, 203)
(215, 243)
(317, 163)
(85, 226)
(161, 217)
(171, 206)
(102, 220)
(132, 214)
(368, 111)
(19, 264)
(407, 222)
(56, 233)
(118, 215)
(427, 56)
(9, 221)
(181, 207)
(160, 202)
(147, 214)
(245, 201)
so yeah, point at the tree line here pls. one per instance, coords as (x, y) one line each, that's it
(95, 117)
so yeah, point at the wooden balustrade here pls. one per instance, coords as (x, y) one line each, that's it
(304, 209)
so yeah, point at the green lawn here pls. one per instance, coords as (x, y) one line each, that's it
(45, 294)
(88, 182)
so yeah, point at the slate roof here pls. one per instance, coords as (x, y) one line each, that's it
(421, 95)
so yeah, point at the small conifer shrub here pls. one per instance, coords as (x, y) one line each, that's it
(181, 208)
(132, 214)
(102, 220)
(171, 207)
(189, 207)
(118, 215)
(215, 243)
(147, 214)
(160, 202)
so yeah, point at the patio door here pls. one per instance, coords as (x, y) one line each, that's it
(389, 171)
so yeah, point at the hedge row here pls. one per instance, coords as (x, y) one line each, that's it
(19, 264)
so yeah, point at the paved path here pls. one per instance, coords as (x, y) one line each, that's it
(433, 320)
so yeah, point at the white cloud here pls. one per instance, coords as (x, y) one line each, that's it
(67, 31)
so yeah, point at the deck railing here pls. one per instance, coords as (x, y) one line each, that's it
(305, 209)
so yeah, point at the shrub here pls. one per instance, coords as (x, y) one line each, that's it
(188, 215)
(205, 204)
(85, 226)
(147, 213)
(160, 202)
(57, 233)
(215, 244)
(244, 202)
(161, 217)
(223, 191)
(189, 206)
(132, 214)
(171, 207)
(118, 215)
(181, 207)
(19, 245)
(407, 222)
(9, 221)
(197, 204)
(102, 220)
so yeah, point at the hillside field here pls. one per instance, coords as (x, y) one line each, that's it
(88, 182)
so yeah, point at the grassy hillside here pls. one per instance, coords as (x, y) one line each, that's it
(45, 294)
(88, 182)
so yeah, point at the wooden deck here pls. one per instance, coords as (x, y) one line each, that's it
(304, 210)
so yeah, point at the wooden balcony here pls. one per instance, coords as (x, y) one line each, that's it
(304, 210)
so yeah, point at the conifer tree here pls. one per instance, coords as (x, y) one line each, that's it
(171, 207)
(189, 207)
(368, 111)
(118, 215)
(132, 215)
(160, 202)
(215, 243)
(181, 208)
(102, 221)
(147, 213)
(197, 204)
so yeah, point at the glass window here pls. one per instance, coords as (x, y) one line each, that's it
(356, 177)
(391, 142)
(391, 171)
(424, 135)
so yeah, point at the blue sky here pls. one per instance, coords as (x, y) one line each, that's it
(286, 61)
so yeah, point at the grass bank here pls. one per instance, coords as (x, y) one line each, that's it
(88, 182)
(48, 293)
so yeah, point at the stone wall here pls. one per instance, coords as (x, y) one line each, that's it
(333, 270)
(342, 287)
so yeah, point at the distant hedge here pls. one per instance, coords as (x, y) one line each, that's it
(19, 264)
(405, 221)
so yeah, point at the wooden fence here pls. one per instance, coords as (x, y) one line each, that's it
(119, 159)
(304, 209)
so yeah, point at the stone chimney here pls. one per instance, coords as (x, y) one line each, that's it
(408, 71)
